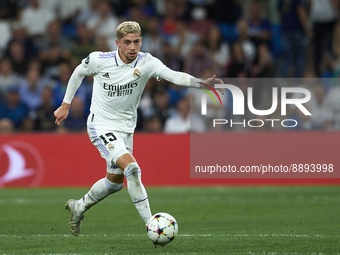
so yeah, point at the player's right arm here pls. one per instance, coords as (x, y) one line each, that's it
(87, 67)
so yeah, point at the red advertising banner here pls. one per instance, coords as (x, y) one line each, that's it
(70, 160)
(48, 160)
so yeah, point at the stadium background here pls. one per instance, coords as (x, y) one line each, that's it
(43, 41)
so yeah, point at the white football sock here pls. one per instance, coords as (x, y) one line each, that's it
(137, 191)
(100, 190)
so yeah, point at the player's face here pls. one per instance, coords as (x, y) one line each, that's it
(129, 47)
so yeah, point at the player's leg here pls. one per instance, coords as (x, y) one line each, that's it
(112, 183)
(108, 145)
(135, 186)
(103, 187)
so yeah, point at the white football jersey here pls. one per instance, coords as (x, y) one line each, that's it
(118, 87)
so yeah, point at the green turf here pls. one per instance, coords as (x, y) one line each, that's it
(259, 220)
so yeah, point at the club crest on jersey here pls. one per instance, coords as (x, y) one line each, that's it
(136, 73)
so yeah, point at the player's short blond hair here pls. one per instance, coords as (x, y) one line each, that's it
(128, 27)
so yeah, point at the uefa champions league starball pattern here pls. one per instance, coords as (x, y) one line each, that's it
(162, 228)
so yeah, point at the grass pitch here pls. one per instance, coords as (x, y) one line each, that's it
(255, 220)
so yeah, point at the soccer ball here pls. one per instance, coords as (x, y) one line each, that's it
(162, 228)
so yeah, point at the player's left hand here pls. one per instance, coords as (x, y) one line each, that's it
(212, 81)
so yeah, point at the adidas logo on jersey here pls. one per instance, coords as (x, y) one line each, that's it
(106, 75)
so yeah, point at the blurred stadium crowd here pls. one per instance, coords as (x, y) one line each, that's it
(42, 41)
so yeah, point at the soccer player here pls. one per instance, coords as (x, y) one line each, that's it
(119, 80)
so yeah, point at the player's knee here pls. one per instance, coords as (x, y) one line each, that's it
(112, 186)
(132, 172)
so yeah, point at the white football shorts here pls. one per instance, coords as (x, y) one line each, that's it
(110, 143)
